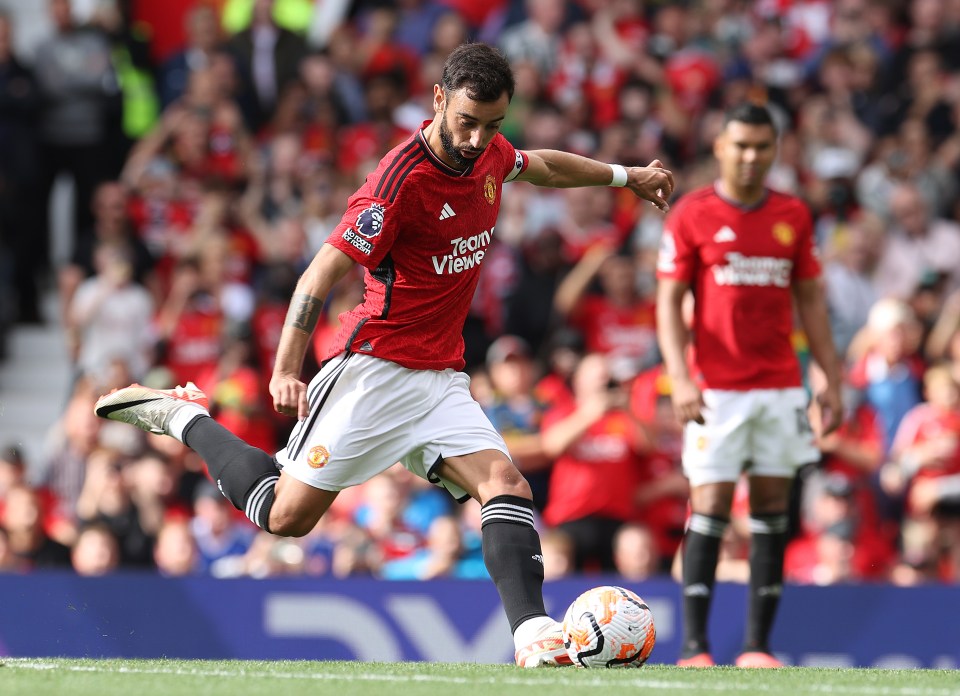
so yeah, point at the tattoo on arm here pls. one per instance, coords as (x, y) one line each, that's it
(304, 312)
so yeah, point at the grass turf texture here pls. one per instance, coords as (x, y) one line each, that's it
(59, 677)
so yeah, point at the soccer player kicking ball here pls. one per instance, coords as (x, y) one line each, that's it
(391, 389)
(747, 253)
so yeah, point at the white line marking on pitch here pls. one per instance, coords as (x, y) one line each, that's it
(27, 663)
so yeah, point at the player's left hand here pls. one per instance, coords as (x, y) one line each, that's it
(652, 183)
(830, 405)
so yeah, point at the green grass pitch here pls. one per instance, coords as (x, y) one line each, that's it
(60, 677)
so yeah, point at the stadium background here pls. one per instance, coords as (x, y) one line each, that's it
(230, 175)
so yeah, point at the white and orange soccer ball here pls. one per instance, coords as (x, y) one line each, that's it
(609, 626)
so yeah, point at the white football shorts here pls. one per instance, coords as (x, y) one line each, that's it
(367, 414)
(765, 432)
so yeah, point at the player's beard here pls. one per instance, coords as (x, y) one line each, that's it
(446, 140)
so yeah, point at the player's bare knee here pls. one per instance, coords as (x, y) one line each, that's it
(505, 479)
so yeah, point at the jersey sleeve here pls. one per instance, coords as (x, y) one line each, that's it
(515, 161)
(677, 254)
(807, 262)
(367, 230)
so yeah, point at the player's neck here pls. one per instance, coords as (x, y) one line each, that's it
(741, 195)
(432, 135)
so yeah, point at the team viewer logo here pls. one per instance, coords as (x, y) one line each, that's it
(370, 221)
(318, 457)
(490, 190)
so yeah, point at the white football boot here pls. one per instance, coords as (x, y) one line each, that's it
(153, 410)
(545, 650)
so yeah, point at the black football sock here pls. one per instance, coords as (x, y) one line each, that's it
(701, 549)
(244, 474)
(511, 552)
(767, 546)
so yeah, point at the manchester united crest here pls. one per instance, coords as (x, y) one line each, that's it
(318, 457)
(490, 189)
(784, 233)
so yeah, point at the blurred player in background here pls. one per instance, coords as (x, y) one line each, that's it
(746, 253)
(391, 388)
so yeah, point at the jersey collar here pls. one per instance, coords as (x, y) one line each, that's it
(436, 161)
(741, 206)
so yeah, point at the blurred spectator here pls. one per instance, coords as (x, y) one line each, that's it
(445, 555)
(636, 554)
(218, 533)
(388, 537)
(528, 295)
(830, 549)
(564, 350)
(151, 482)
(131, 61)
(175, 553)
(79, 99)
(110, 316)
(95, 552)
(886, 364)
(515, 411)
(190, 323)
(19, 176)
(661, 496)
(237, 387)
(596, 471)
(536, 39)
(848, 276)
(268, 57)
(203, 34)
(925, 466)
(70, 442)
(105, 499)
(918, 244)
(617, 321)
(111, 226)
(23, 522)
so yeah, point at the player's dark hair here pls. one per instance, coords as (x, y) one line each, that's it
(480, 69)
(750, 113)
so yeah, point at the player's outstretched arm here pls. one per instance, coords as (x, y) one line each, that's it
(558, 169)
(328, 266)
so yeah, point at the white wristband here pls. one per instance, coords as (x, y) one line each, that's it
(619, 175)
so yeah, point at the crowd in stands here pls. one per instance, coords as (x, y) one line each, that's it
(207, 177)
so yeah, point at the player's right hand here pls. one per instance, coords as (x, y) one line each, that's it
(687, 400)
(289, 395)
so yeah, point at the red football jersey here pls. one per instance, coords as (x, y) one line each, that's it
(741, 263)
(421, 230)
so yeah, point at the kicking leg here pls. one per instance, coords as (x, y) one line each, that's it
(247, 476)
(511, 551)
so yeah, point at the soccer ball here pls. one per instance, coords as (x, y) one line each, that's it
(609, 627)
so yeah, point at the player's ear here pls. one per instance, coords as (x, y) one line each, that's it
(439, 99)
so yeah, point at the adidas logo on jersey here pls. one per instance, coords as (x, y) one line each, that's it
(447, 212)
(725, 234)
